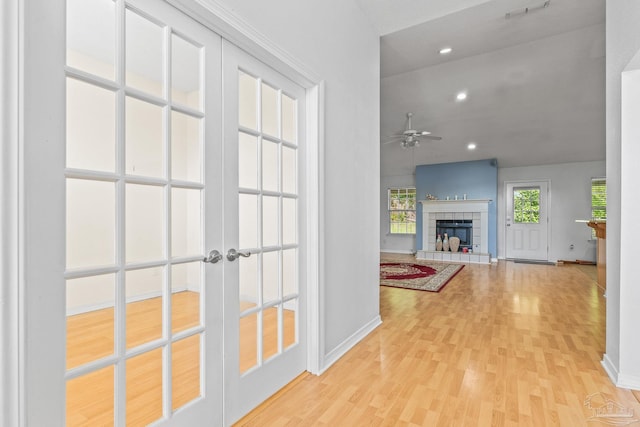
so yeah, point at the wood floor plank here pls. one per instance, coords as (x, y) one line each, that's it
(502, 345)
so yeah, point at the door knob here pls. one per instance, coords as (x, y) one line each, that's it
(233, 254)
(214, 256)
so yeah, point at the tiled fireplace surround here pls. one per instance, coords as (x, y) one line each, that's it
(476, 210)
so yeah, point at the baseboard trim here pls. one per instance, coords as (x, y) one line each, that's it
(620, 380)
(628, 381)
(334, 355)
(397, 251)
(610, 369)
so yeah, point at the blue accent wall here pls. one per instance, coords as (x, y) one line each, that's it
(477, 179)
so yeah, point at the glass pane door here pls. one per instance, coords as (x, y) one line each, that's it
(265, 294)
(267, 209)
(136, 225)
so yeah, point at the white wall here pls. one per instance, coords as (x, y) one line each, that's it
(569, 199)
(334, 40)
(395, 243)
(622, 358)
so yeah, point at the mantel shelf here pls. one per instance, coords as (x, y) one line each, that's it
(469, 205)
(456, 201)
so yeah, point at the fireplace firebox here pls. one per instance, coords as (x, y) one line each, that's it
(460, 228)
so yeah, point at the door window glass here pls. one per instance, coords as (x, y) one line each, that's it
(186, 72)
(95, 55)
(526, 205)
(144, 54)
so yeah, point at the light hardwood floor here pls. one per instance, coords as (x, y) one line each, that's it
(90, 336)
(502, 345)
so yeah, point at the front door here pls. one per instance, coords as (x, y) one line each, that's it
(265, 298)
(527, 220)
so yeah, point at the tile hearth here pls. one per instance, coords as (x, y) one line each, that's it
(475, 210)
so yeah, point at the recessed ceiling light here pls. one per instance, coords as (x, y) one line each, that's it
(471, 146)
(461, 96)
(445, 50)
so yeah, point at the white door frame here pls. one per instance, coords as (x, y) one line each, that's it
(506, 209)
(10, 213)
(19, 135)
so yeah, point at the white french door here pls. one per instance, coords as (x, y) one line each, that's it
(265, 298)
(164, 263)
(527, 220)
(143, 173)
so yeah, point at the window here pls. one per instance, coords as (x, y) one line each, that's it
(598, 201)
(526, 205)
(599, 198)
(402, 210)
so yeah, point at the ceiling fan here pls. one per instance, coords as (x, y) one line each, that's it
(411, 137)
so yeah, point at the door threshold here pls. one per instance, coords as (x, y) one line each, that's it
(532, 261)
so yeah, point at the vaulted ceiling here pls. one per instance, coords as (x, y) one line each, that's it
(535, 81)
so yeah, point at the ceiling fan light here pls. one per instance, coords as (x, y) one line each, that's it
(461, 96)
(445, 50)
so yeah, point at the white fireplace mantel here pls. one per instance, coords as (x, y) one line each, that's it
(476, 205)
(476, 210)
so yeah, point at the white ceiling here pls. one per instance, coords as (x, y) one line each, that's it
(389, 16)
(535, 81)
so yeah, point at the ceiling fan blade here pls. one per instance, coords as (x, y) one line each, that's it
(410, 137)
(391, 141)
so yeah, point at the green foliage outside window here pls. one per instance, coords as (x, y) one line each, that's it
(599, 198)
(402, 211)
(526, 205)
(598, 201)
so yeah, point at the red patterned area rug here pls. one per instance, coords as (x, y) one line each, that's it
(426, 276)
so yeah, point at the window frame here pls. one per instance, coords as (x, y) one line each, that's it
(409, 226)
